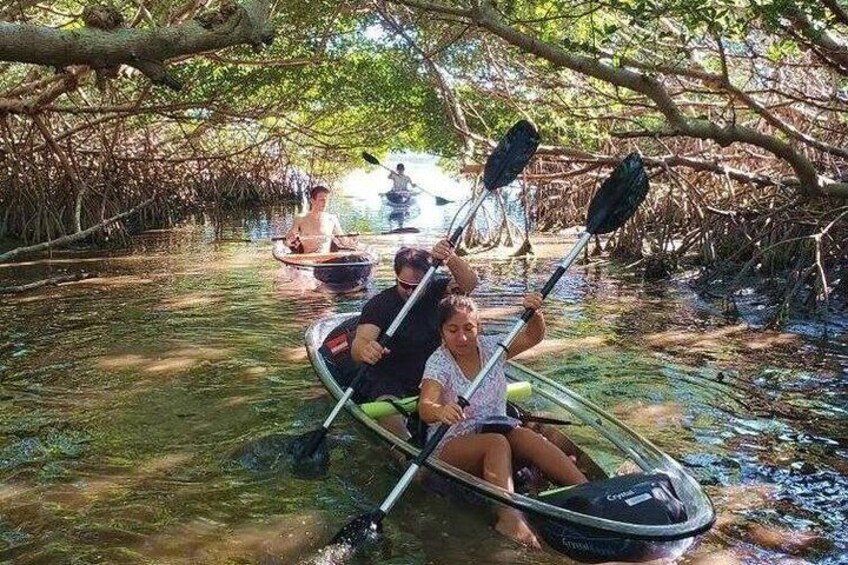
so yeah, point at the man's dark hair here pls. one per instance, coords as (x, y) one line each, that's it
(316, 190)
(418, 259)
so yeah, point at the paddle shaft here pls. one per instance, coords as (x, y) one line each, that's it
(434, 440)
(386, 337)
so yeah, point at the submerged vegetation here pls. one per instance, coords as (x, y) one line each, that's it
(739, 110)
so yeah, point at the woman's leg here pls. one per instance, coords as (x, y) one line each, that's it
(530, 446)
(395, 424)
(484, 455)
(490, 457)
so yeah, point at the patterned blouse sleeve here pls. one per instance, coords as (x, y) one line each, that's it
(436, 369)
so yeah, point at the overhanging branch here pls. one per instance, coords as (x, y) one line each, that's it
(485, 16)
(145, 49)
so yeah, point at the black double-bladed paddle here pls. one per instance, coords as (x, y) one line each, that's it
(504, 164)
(374, 161)
(614, 203)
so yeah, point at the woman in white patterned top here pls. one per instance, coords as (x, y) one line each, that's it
(482, 439)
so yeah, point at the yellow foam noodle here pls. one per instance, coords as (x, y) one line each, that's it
(521, 390)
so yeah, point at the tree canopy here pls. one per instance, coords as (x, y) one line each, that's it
(765, 76)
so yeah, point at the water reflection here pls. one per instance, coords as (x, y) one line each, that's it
(122, 398)
(399, 218)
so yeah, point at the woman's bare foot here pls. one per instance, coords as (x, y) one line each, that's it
(512, 525)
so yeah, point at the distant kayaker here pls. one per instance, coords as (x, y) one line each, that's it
(315, 230)
(396, 371)
(482, 439)
(401, 183)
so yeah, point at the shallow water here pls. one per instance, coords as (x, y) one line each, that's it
(127, 402)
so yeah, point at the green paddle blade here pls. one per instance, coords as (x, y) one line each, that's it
(618, 197)
(511, 155)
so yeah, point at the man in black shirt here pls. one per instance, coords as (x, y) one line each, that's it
(396, 371)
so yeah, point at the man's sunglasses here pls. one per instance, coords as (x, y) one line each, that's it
(405, 285)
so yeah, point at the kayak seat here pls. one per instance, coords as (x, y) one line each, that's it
(519, 390)
(414, 424)
(417, 429)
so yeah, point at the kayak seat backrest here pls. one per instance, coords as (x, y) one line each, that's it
(336, 353)
(417, 429)
(634, 499)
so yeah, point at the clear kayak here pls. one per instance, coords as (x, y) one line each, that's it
(400, 198)
(339, 271)
(639, 505)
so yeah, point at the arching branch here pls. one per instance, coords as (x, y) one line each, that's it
(144, 49)
(829, 46)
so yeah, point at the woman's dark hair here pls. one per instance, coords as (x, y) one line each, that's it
(316, 190)
(452, 304)
(418, 259)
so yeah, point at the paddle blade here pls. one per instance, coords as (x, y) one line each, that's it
(511, 155)
(310, 455)
(370, 158)
(442, 201)
(618, 197)
(277, 452)
(365, 528)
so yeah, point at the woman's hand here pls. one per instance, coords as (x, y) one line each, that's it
(534, 331)
(533, 301)
(372, 352)
(442, 251)
(451, 414)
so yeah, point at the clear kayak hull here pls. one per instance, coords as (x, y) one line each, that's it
(654, 510)
(339, 270)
